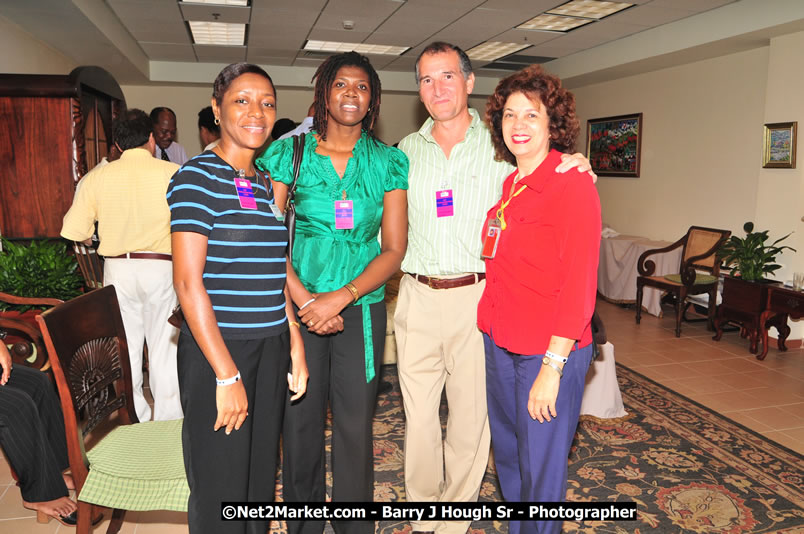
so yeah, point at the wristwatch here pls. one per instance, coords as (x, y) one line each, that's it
(549, 363)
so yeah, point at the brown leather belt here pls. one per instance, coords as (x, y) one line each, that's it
(141, 256)
(448, 283)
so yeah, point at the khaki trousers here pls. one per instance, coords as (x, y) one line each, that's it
(439, 346)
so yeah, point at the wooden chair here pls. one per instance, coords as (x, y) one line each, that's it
(697, 257)
(27, 331)
(90, 264)
(135, 466)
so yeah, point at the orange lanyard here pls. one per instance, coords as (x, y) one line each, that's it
(511, 195)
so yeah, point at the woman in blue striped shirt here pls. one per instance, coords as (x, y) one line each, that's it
(229, 272)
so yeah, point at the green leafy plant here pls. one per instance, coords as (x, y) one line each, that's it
(750, 256)
(39, 269)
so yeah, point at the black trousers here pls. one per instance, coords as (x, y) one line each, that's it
(242, 465)
(32, 434)
(338, 375)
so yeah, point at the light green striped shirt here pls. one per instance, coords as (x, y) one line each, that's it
(450, 245)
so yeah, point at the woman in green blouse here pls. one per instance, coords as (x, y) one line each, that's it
(351, 186)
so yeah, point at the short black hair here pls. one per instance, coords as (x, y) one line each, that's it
(206, 118)
(281, 127)
(230, 73)
(325, 75)
(156, 111)
(439, 47)
(132, 129)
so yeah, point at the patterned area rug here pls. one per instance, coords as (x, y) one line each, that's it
(687, 468)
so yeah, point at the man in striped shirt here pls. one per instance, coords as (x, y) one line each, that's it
(454, 180)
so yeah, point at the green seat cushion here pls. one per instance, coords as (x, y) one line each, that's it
(138, 467)
(699, 278)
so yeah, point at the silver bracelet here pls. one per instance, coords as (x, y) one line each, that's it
(228, 381)
(549, 363)
(306, 303)
(556, 357)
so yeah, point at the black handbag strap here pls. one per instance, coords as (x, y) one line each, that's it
(298, 153)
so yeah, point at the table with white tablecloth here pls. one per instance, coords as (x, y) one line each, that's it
(617, 270)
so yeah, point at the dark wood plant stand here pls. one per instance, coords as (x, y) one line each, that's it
(782, 302)
(744, 303)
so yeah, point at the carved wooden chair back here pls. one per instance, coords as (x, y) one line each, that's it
(132, 466)
(89, 353)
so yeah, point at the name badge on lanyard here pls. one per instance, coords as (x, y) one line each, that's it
(245, 194)
(491, 239)
(344, 215)
(444, 203)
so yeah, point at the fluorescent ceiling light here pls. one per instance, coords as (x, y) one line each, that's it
(589, 9)
(218, 2)
(491, 50)
(218, 33)
(553, 23)
(361, 48)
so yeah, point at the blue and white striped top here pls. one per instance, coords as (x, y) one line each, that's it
(245, 270)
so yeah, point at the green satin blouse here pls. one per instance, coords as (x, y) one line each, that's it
(325, 258)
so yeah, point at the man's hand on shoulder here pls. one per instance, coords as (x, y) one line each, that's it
(576, 161)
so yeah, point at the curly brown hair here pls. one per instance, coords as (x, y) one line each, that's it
(534, 83)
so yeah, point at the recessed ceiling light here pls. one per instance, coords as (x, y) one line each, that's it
(361, 48)
(553, 23)
(218, 2)
(590, 9)
(491, 50)
(218, 33)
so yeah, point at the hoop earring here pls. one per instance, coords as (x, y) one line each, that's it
(217, 121)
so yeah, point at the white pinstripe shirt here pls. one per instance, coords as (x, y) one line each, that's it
(450, 245)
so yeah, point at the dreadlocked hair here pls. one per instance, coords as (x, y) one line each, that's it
(324, 77)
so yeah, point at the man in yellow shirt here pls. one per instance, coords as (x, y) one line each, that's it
(127, 199)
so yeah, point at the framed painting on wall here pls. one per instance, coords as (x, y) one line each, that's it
(614, 145)
(779, 151)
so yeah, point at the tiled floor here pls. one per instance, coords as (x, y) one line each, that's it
(767, 397)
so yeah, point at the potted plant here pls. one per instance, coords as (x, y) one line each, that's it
(745, 291)
(750, 257)
(39, 269)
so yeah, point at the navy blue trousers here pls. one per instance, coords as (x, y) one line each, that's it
(531, 457)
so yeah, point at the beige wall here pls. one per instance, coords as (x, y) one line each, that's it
(24, 54)
(701, 145)
(780, 192)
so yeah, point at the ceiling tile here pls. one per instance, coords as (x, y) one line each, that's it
(169, 51)
(697, 6)
(533, 37)
(366, 16)
(260, 59)
(215, 13)
(554, 48)
(340, 35)
(229, 54)
(600, 32)
(650, 15)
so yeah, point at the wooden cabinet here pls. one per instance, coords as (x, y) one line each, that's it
(782, 302)
(53, 129)
(744, 303)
